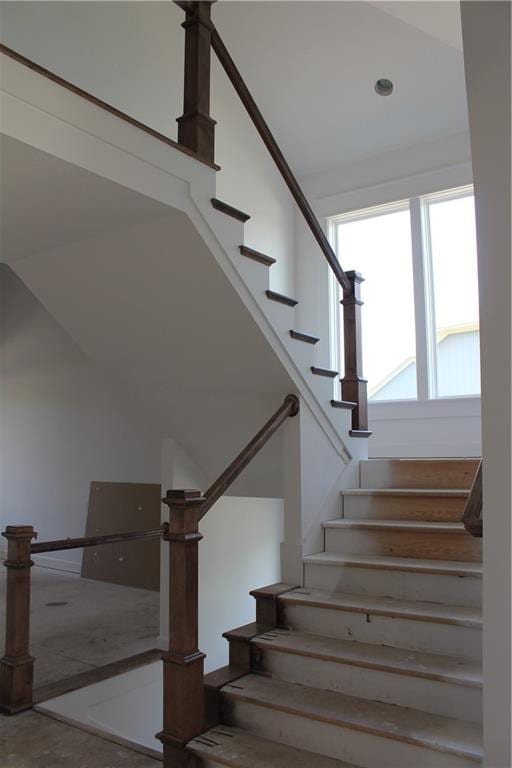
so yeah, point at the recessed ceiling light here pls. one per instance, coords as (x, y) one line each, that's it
(384, 87)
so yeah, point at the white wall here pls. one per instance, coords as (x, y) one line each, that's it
(436, 428)
(130, 54)
(62, 426)
(486, 28)
(240, 551)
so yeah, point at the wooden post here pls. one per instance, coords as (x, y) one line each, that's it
(183, 664)
(196, 129)
(353, 384)
(17, 666)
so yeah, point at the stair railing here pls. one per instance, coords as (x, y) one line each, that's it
(17, 665)
(184, 708)
(472, 517)
(197, 133)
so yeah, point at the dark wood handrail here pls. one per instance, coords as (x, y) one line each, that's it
(102, 104)
(472, 517)
(268, 139)
(184, 714)
(93, 541)
(289, 407)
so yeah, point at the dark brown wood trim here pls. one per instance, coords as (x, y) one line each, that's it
(278, 157)
(196, 128)
(324, 372)
(213, 683)
(267, 605)
(93, 541)
(17, 665)
(360, 433)
(92, 676)
(305, 337)
(101, 104)
(229, 210)
(289, 408)
(257, 256)
(343, 404)
(353, 383)
(281, 299)
(472, 517)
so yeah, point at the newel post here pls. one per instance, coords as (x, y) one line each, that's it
(196, 129)
(183, 663)
(17, 666)
(353, 384)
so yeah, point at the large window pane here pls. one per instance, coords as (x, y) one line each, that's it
(455, 292)
(380, 248)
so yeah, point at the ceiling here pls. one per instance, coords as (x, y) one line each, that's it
(312, 66)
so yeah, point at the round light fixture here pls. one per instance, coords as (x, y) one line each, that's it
(384, 87)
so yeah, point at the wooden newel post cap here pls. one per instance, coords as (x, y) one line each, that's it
(352, 295)
(173, 497)
(19, 532)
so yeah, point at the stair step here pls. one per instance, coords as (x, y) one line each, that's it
(360, 433)
(406, 564)
(402, 538)
(257, 256)
(281, 298)
(332, 723)
(418, 473)
(431, 627)
(398, 660)
(343, 404)
(427, 504)
(414, 610)
(229, 210)
(324, 372)
(306, 337)
(402, 578)
(240, 749)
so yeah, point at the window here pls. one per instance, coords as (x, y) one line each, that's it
(420, 319)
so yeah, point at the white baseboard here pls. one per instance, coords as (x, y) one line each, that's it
(57, 564)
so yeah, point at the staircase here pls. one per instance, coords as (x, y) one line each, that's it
(375, 661)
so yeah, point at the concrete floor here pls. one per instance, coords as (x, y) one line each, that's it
(33, 740)
(79, 624)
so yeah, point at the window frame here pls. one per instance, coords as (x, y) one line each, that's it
(423, 289)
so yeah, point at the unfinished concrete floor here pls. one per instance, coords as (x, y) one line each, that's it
(33, 740)
(79, 624)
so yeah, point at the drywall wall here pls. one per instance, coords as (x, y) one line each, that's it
(240, 551)
(486, 28)
(437, 428)
(62, 426)
(130, 54)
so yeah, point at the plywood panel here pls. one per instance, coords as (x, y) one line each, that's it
(121, 507)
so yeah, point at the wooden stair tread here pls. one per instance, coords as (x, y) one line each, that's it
(386, 606)
(442, 734)
(347, 404)
(327, 372)
(229, 210)
(417, 526)
(385, 562)
(262, 258)
(240, 749)
(281, 298)
(421, 492)
(385, 658)
(306, 337)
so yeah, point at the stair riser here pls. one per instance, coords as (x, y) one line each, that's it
(428, 636)
(452, 590)
(436, 509)
(417, 473)
(434, 696)
(430, 546)
(363, 749)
